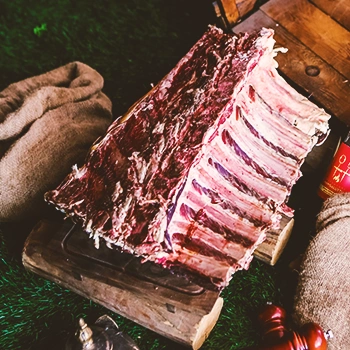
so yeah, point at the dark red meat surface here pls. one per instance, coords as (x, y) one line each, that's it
(203, 165)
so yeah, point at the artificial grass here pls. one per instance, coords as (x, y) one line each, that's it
(132, 43)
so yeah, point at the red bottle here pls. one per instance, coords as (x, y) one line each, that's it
(337, 179)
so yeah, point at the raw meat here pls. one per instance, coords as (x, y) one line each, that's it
(203, 165)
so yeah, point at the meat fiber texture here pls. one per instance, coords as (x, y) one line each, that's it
(200, 168)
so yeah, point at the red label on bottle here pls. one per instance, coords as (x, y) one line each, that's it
(337, 179)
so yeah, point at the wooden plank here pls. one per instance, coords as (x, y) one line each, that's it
(330, 89)
(338, 10)
(185, 317)
(231, 11)
(276, 240)
(327, 38)
(245, 6)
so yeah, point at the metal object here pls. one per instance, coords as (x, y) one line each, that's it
(328, 334)
(103, 335)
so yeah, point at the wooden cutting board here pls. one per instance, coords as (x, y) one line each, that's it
(143, 292)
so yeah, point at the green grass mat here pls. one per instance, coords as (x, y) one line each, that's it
(132, 43)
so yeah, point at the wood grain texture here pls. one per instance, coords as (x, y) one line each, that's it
(245, 6)
(339, 10)
(231, 11)
(185, 317)
(276, 240)
(315, 29)
(330, 89)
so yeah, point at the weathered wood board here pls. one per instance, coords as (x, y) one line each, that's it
(339, 10)
(315, 29)
(317, 62)
(231, 11)
(143, 292)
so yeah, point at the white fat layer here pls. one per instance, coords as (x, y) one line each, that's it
(120, 214)
(148, 107)
(210, 238)
(296, 108)
(211, 147)
(117, 191)
(255, 148)
(177, 128)
(159, 128)
(140, 165)
(88, 226)
(97, 240)
(78, 172)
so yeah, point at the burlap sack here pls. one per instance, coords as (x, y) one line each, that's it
(47, 124)
(323, 292)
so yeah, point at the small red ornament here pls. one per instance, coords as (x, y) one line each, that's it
(272, 323)
(276, 336)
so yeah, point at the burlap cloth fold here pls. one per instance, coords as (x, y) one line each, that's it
(323, 291)
(47, 124)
